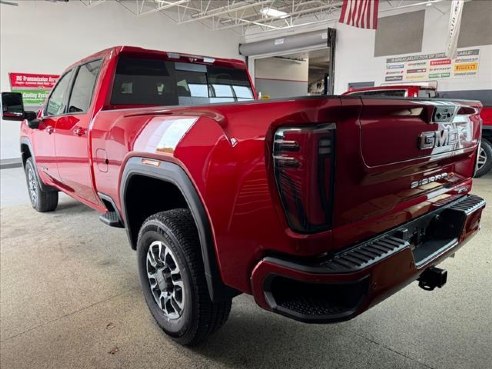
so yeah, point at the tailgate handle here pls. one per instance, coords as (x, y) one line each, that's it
(443, 114)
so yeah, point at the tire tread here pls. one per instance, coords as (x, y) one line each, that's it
(210, 316)
(487, 146)
(47, 200)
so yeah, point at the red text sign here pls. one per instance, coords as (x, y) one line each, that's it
(440, 62)
(28, 80)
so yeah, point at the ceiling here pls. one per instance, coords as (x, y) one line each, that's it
(245, 16)
(238, 15)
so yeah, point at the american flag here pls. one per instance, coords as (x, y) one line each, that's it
(360, 13)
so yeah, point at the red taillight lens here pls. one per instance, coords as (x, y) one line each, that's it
(303, 159)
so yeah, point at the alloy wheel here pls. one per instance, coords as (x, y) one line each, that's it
(482, 158)
(33, 186)
(165, 280)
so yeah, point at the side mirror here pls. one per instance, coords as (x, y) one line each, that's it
(13, 109)
(12, 106)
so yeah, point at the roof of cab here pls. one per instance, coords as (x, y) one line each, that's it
(168, 55)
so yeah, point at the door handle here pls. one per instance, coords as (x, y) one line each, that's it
(50, 129)
(79, 131)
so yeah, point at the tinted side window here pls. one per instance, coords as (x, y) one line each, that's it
(83, 88)
(58, 99)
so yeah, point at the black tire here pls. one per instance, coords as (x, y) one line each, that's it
(41, 200)
(486, 155)
(176, 232)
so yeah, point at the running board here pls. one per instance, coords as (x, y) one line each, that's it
(111, 219)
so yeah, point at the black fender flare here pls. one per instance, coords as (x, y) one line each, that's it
(487, 132)
(174, 174)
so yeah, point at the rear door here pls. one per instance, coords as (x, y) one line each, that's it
(72, 141)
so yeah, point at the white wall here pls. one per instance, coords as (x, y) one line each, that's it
(354, 60)
(46, 37)
(284, 69)
(280, 78)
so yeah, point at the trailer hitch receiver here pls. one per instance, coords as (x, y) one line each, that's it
(433, 277)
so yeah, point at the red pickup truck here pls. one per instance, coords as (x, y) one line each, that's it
(484, 162)
(320, 207)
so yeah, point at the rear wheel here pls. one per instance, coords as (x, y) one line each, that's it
(173, 278)
(41, 200)
(484, 162)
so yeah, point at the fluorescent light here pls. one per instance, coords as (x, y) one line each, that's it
(273, 13)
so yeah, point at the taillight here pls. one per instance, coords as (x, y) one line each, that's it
(303, 159)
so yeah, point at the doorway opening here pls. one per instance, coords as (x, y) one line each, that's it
(295, 74)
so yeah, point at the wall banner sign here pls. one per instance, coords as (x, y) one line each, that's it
(414, 68)
(34, 87)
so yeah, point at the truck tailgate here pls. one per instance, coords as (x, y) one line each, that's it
(412, 155)
(399, 131)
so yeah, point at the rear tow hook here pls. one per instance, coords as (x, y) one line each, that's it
(433, 277)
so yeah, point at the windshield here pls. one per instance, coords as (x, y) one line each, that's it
(146, 81)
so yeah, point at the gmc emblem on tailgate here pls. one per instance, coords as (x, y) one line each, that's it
(444, 137)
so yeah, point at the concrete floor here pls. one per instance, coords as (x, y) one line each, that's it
(70, 298)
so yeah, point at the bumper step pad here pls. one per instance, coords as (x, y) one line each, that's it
(468, 204)
(367, 253)
(372, 251)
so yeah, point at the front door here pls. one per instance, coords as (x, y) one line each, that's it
(43, 138)
(72, 135)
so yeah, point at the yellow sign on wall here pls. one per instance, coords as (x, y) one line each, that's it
(465, 67)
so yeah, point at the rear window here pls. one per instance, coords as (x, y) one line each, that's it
(146, 81)
(394, 93)
(427, 93)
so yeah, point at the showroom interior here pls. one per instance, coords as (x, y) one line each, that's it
(188, 183)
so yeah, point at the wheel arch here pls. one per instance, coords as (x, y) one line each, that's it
(171, 174)
(26, 150)
(26, 153)
(487, 133)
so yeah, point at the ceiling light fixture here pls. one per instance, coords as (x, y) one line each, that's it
(273, 13)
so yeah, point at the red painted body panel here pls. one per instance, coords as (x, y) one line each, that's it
(413, 91)
(227, 154)
(236, 182)
(486, 115)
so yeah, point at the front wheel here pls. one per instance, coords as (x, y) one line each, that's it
(41, 200)
(173, 279)
(484, 162)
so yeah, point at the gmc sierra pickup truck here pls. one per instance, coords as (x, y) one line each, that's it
(484, 162)
(320, 207)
